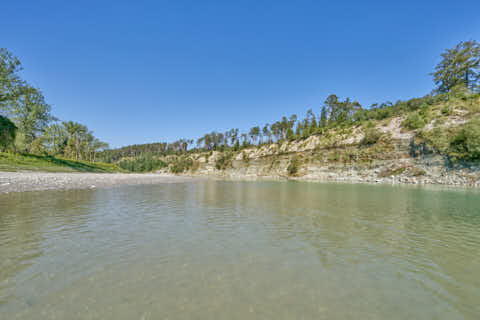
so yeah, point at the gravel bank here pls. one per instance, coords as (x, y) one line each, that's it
(37, 181)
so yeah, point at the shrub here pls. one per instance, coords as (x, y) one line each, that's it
(142, 164)
(447, 110)
(292, 168)
(466, 144)
(371, 136)
(438, 138)
(181, 164)
(224, 161)
(417, 172)
(8, 132)
(413, 121)
(245, 157)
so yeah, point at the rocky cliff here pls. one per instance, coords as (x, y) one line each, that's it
(398, 156)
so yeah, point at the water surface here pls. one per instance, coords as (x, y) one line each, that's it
(241, 250)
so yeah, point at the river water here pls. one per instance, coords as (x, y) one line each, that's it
(241, 250)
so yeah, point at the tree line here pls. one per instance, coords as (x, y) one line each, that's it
(27, 124)
(459, 70)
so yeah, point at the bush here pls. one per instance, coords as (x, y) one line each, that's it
(8, 132)
(447, 110)
(413, 121)
(224, 161)
(292, 168)
(466, 144)
(142, 164)
(438, 138)
(371, 136)
(181, 165)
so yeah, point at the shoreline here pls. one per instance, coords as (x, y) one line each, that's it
(11, 182)
(43, 181)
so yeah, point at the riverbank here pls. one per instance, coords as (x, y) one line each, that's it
(40, 181)
(13, 162)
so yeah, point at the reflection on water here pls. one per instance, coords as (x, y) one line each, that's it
(241, 250)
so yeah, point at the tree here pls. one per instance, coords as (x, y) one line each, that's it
(8, 132)
(276, 130)
(254, 134)
(459, 66)
(75, 132)
(323, 117)
(340, 112)
(10, 81)
(55, 138)
(97, 146)
(312, 121)
(267, 133)
(31, 113)
(244, 139)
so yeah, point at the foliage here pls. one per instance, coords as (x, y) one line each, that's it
(465, 144)
(416, 172)
(181, 164)
(142, 164)
(10, 79)
(8, 131)
(340, 112)
(413, 121)
(293, 166)
(31, 113)
(371, 136)
(459, 66)
(37, 132)
(224, 161)
(447, 110)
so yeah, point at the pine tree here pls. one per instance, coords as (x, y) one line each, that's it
(459, 66)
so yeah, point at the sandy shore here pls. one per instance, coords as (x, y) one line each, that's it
(37, 181)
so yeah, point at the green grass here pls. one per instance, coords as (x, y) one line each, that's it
(30, 162)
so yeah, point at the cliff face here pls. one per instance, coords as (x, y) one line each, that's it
(397, 157)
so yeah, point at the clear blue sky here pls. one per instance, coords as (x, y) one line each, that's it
(146, 71)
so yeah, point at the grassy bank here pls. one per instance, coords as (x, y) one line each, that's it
(30, 162)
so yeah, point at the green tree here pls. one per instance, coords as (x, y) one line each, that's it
(340, 112)
(466, 144)
(459, 66)
(323, 117)
(267, 133)
(254, 133)
(55, 138)
(312, 121)
(76, 132)
(10, 81)
(8, 132)
(31, 113)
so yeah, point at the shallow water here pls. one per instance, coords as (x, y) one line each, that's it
(241, 250)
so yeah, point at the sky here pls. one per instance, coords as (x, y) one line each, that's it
(148, 71)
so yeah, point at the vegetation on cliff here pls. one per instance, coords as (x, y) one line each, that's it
(444, 121)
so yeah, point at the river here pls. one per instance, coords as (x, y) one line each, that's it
(241, 250)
